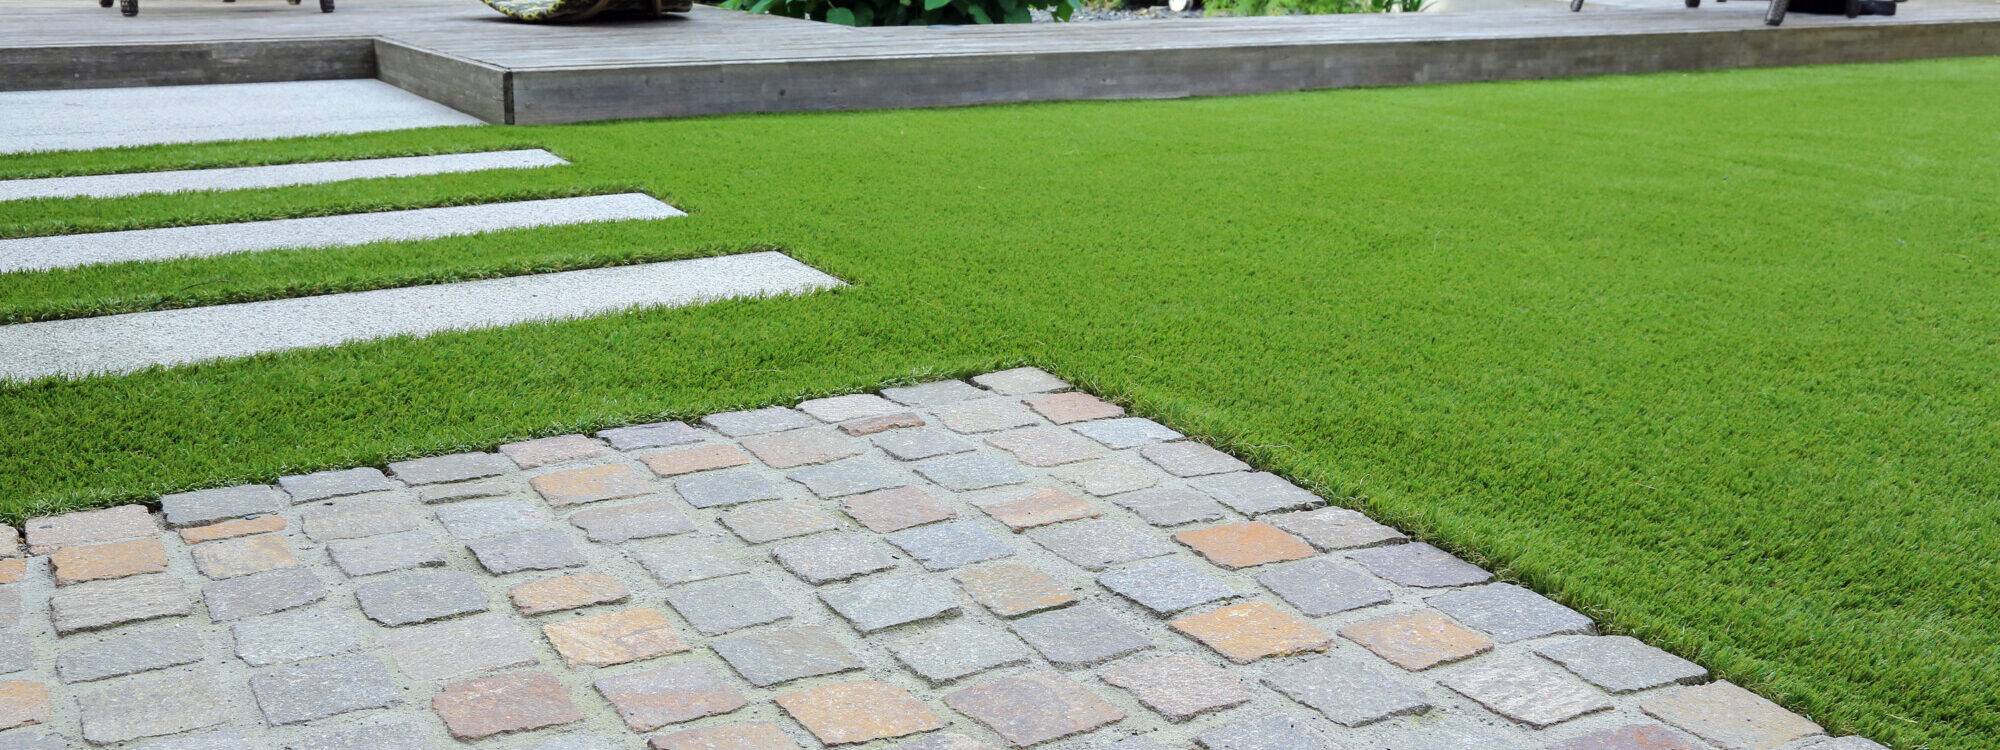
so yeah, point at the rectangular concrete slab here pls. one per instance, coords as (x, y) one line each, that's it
(275, 175)
(122, 343)
(72, 250)
(107, 118)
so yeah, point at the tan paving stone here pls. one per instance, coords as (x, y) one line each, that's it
(610, 638)
(1417, 640)
(762, 735)
(46, 535)
(567, 592)
(23, 703)
(1034, 707)
(680, 461)
(895, 509)
(485, 706)
(12, 570)
(1244, 633)
(1040, 508)
(242, 556)
(590, 484)
(1065, 408)
(1730, 717)
(1243, 545)
(1014, 589)
(97, 562)
(233, 528)
(529, 454)
(850, 712)
(884, 423)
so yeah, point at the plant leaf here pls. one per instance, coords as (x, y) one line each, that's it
(841, 16)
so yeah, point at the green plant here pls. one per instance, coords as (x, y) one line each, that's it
(1309, 7)
(908, 12)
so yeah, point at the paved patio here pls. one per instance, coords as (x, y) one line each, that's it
(998, 563)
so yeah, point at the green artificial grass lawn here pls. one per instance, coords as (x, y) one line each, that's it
(1709, 357)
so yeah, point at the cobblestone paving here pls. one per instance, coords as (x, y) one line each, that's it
(947, 566)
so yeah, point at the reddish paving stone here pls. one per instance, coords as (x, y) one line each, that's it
(97, 562)
(1065, 408)
(1014, 589)
(23, 703)
(1178, 686)
(602, 640)
(762, 735)
(529, 454)
(669, 694)
(1730, 717)
(1630, 737)
(1417, 640)
(1034, 707)
(46, 535)
(863, 711)
(895, 509)
(884, 423)
(486, 706)
(1040, 508)
(680, 461)
(232, 528)
(1244, 633)
(567, 592)
(787, 450)
(591, 484)
(12, 570)
(242, 556)
(1243, 545)
(10, 541)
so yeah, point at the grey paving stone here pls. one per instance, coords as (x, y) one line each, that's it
(1621, 664)
(1080, 636)
(297, 694)
(1419, 564)
(356, 520)
(1729, 717)
(17, 652)
(716, 488)
(850, 477)
(337, 483)
(420, 596)
(578, 741)
(1461, 734)
(35, 738)
(1134, 742)
(943, 546)
(207, 506)
(1255, 493)
(477, 520)
(692, 559)
(655, 435)
(964, 472)
(1178, 686)
(1347, 690)
(1270, 732)
(130, 653)
(457, 467)
(738, 424)
(100, 604)
(758, 523)
(456, 648)
(933, 393)
(539, 549)
(296, 635)
(1020, 381)
(624, 523)
(770, 656)
(262, 593)
(983, 415)
(1033, 707)
(46, 535)
(1510, 613)
(1191, 459)
(220, 739)
(388, 734)
(1100, 543)
(446, 493)
(671, 694)
(549, 451)
(920, 443)
(1045, 446)
(833, 557)
(958, 649)
(151, 705)
(1171, 506)
(722, 605)
(887, 602)
(1335, 528)
(1320, 586)
(1847, 743)
(853, 406)
(1646, 736)
(1126, 432)
(943, 741)
(1108, 477)
(884, 511)
(1167, 585)
(1526, 691)
(385, 553)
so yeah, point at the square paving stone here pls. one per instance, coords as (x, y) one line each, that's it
(207, 506)
(624, 523)
(1080, 636)
(1644, 737)
(611, 638)
(853, 406)
(296, 635)
(1069, 408)
(1417, 640)
(131, 653)
(449, 493)
(1347, 690)
(1013, 589)
(1020, 381)
(1171, 506)
(719, 606)
(1178, 686)
(771, 656)
(887, 602)
(293, 695)
(756, 735)
(738, 424)
(862, 711)
(866, 426)
(1270, 732)
(1729, 716)
(456, 648)
(305, 488)
(1621, 664)
(669, 694)
(1129, 432)
(943, 741)
(1335, 528)
(478, 520)
(1255, 493)
(922, 443)
(1510, 613)
(850, 477)
(23, 703)
(262, 593)
(1320, 586)
(691, 559)
(1244, 633)
(958, 649)
(771, 521)
(725, 488)
(1100, 543)
(16, 653)
(1107, 477)
(539, 549)
(486, 706)
(151, 706)
(453, 468)
(964, 472)
(420, 596)
(548, 451)
(242, 556)
(790, 450)
(933, 393)
(1166, 585)
(709, 457)
(1021, 509)
(567, 592)
(388, 552)
(46, 535)
(1242, 545)
(1034, 707)
(1421, 565)
(833, 557)
(591, 484)
(1526, 691)
(944, 546)
(1191, 459)
(101, 562)
(1045, 446)
(895, 509)
(656, 435)
(353, 520)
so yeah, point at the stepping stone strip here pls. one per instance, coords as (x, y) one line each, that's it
(364, 608)
(276, 175)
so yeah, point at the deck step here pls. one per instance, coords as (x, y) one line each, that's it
(140, 116)
(276, 175)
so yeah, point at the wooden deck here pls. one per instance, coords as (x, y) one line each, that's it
(714, 61)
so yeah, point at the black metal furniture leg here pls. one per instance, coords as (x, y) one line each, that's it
(1776, 13)
(326, 6)
(128, 7)
(1575, 5)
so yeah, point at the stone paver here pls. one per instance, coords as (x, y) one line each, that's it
(854, 406)
(1420, 565)
(1243, 545)
(850, 477)
(1171, 506)
(457, 467)
(833, 557)
(97, 562)
(1020, 381)
(46, 535)
(788, 450)
(567, 592)
(772, 656)
(1045, 446)
(1191, 459)
(1166, 585)
(863, 711)
(962, 472)
(297, 635)
(1335, 528)
(1271, 732)
(738, 424)
(934, 393)
(721, 605)
(233, 528)
(1023, 510)
(866, 426)
(1255, 493)
(1509, 613)
(130, 653)
(420, 596)
(529, 454)
(1346, 690)
(343, 520)
(591, 484)
(207, 506)
(612, 638)
(456, 648)
(1729, 717)
(1034, 707)
(958, 649)
(783, 519)
(305, 488)
(656, 435)
(242, 556)
(624, 523)
(1108, 477)
(669, 694)
(293, 695)
(1526, 691)
(1178, 686)
(102, 604)
(1634, 737)
(1417, 640)
(1067, 408)
(887, 602)
(1621, 664)
(725, 488)
(382, 554)
(1244, 633)
(1099, 544)
(674, 463)
(944, 546)
(468, 521)
(919, 444)
(884, 511)
(151, 706)
(692, 559)
(535, 549)
(1321, 586)
(1014, 589)
(1080, 636)
(486, 706)
(760, 735)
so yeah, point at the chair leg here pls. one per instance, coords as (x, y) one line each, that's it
(1853, 8)
(1776, 13)
(326, 6)
(128, 7)
(1575, 5)
(1693, 3)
